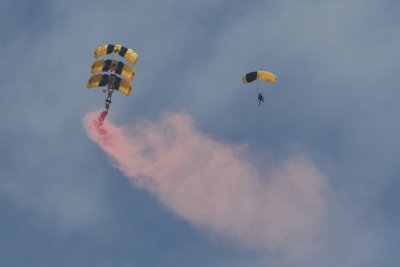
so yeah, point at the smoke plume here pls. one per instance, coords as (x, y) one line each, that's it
(215, 186)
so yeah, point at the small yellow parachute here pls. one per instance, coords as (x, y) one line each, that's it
(114, 66)
(259, 75)
(123, 51)
(111, 81)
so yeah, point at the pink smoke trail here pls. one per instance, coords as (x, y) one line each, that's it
(215, 186)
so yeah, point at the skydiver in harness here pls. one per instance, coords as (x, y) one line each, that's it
(110, 90)
(260, 98)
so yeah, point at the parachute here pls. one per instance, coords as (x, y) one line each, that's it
(113, 74)
(259, 75)
(110, 80)
(114, 66)
(123, 51)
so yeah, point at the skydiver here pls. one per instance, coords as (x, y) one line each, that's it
(260, 98)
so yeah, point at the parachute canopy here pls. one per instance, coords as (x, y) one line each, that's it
(111, 81)
(259, 75)
(123, 51)
(114, 66)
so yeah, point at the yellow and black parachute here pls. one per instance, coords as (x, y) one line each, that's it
(110, 80)
(123, 51)
(111, 73)
(259, 75)
(127, 72)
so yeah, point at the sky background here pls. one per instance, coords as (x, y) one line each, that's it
(63, 202)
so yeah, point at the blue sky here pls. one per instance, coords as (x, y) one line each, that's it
(63, 204)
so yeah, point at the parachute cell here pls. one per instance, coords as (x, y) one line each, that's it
(259, 75)
(114, 66)
(123, 51)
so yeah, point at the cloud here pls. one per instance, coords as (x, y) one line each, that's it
(216, 187)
